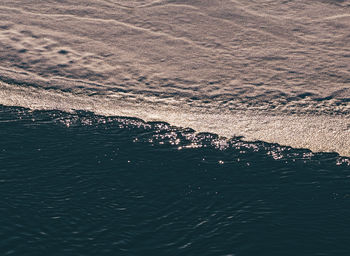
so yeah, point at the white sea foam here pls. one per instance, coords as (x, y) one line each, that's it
(316, 132)
(274, 71)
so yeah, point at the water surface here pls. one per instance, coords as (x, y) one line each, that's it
(81, 184)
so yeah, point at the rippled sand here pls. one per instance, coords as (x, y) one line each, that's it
(277, 71)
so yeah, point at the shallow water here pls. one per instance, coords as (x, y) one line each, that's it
(81, 184)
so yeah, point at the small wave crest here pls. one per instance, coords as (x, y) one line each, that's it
(319, 133)
(162, 134)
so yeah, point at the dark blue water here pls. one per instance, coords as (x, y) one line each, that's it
(80, 184)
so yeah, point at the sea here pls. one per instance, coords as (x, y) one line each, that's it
(175, 127)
